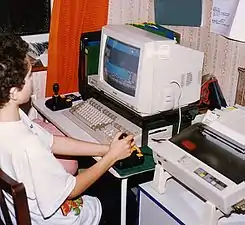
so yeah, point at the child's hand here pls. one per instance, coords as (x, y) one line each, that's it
(120, 149)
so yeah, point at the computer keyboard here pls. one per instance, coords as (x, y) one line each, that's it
(99, 121)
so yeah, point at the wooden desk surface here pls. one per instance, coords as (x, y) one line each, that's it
(37, 66)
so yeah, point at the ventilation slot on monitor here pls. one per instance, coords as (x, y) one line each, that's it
(188, 79)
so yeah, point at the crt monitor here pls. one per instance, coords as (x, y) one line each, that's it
(146, 72)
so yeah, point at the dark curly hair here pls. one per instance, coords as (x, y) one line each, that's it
(13, 65)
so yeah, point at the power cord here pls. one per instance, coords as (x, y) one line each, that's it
(179, 108)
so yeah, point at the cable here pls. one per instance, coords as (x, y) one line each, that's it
(180, 116)
(179, 124)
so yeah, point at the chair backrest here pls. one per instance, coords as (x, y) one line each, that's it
(18, 193)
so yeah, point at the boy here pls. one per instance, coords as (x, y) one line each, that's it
(26, 150)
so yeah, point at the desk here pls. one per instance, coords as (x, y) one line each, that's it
(72, 130)
(176, 206)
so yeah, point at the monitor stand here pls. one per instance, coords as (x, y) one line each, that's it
(147, 123)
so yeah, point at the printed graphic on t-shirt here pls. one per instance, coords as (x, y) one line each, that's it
(72, 206)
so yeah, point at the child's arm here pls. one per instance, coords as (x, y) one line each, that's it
(119, 149)
(72, 147)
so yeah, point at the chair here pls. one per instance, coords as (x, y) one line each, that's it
(18, 193)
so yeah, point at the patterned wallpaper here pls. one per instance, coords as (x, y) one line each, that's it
(222, 56)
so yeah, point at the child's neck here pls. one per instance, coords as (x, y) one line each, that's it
(9, 113)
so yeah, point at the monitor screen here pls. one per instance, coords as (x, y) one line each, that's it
(121, 63)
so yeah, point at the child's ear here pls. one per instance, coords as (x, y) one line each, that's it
(13, 93)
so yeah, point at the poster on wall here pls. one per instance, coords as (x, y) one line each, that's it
(228, 19)
(179, 12)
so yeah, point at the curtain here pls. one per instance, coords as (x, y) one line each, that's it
(68, 21)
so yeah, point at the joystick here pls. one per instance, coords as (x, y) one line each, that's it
(58, 102)
(135, 159)
(56, 88)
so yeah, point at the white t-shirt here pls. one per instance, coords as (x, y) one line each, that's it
(26, 157)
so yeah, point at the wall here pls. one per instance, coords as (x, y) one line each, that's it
(222, 56)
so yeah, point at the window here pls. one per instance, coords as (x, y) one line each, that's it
(25, 17)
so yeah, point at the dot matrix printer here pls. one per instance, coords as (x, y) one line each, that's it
(208, 158)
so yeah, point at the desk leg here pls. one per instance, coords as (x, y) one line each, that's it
(123, 200)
